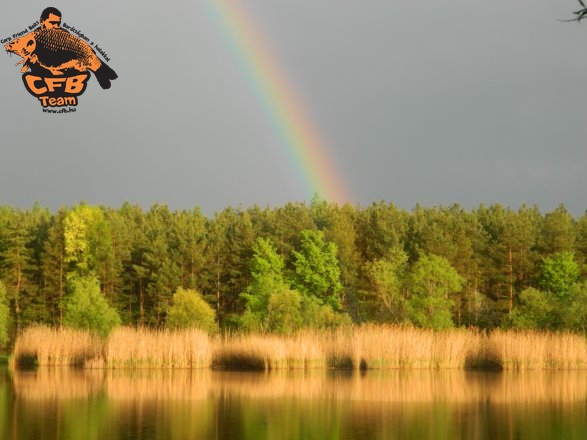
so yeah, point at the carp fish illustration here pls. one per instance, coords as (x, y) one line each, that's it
(57, 51)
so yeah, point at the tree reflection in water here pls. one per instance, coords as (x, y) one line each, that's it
(204, 404)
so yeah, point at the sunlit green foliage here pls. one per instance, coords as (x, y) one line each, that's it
(316, 268)
(284, 312)
(432, 282)
(387, 278)
(189, 310)
(317, 261)
(272, 304)
(86, 308)
(267, 274)
(534, 311)
(558, 273)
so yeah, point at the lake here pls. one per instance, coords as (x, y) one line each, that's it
(64, 403)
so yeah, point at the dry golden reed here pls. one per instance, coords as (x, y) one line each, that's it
(43, 345)
(379, 347)
(305, 349)
(519, 350)
(354, 347)
(128, 347)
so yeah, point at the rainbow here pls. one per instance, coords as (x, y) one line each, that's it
(303, 146)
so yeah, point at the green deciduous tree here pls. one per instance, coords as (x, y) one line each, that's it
(87, 239)
(315, 314)
(534, 311)
(189, 310)
(267, 273)
(317, 270)
(86, 308)
(284, 312)
(432, 282)
(386, 279)
(273, 305)
(339, 226)
(558, 273)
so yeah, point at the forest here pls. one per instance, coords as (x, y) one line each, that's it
(276, 269)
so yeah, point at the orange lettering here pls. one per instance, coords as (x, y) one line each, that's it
(31, 80)
(54, 82)
(75, 84)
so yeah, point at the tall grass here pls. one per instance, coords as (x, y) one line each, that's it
(522, 350)
(379, 347)
(42, 345)
(354, 347)
(143, 348)
(365, 347)
(304, 349)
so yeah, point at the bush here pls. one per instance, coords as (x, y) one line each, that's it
(189, 310)
(535, 311)
(87, 309)
(283, 312)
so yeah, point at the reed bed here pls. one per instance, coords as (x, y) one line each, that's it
(369, 347)
(128, 347)
(384, 347)
(42, 345)
(522, 350)
(269, 352)
(365, 347)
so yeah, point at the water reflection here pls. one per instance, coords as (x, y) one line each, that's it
(205, 404)
(454, 386)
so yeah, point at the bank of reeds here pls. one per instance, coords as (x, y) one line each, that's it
(357, 347)
(529, 350)
(304, 349)
(128, 347)
(42, 345)
(364, 347)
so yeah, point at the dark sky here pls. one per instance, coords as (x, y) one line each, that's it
(450, 101)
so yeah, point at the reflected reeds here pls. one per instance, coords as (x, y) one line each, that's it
(391, 386)
(57, 383)
(158, 384)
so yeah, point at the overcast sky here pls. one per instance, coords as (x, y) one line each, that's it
(432, 102)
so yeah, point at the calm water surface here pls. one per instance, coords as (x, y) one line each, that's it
(93, 404)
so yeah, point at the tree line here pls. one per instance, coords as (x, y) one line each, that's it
(301, 264)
